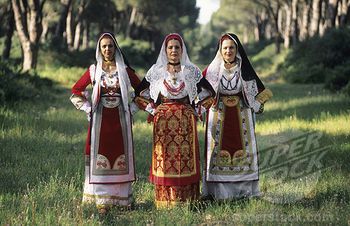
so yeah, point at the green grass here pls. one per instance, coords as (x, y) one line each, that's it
(42, 162)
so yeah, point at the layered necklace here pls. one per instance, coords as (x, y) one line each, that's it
(174, 68)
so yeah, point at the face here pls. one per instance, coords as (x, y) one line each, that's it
(228, 50)
(174, 51)
(107, 48)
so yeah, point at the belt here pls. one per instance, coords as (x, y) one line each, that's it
(181, 100)
(230, 100)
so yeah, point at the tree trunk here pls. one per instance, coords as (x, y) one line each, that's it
(27, 49)
(77, 36)
(78, 23)
(86, 31)
(245, 35)
(9, 33)
(323, 20)
(344, 11)
(28, 20)
(276, 18)
(305, 20)
(288, 25)
(43, 38)
(331, 13)
(131, 21)
(260, 25)
(268, 31)
(295, 28)
(61, 25)
(69, 34)
(277, 34)
(315, 19)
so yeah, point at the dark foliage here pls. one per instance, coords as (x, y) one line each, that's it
(15, 86)
(321, 60)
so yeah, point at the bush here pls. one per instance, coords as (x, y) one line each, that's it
(346, 89)
(307, 74)
(139, 51)
(314, 60)
(339, 77)
(15, 86)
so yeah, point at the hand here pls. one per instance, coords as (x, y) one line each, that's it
(141, 102)
(261, 109)
(150, 108)
(86, 107)
(88, 116)
(207, 103)
(133, 108)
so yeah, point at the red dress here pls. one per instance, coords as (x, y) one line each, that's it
(108, 113)
(109, 152)
(175, 169)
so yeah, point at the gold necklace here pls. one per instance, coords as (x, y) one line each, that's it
(173, 73)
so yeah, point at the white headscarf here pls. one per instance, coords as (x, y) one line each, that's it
(123, 76)
(215, 68)
(158, 71)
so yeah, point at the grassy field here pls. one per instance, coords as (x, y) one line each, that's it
(42, 165)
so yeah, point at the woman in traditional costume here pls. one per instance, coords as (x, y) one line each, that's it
(109, 168)
(231, 165)
(169, 92)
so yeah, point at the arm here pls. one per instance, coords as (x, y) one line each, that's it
(262, 97)
(206, 93)
(134, 79)
(142, 98)
(79, 95)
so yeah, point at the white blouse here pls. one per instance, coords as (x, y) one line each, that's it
(230, 82)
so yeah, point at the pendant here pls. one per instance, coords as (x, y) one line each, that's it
(174, 79)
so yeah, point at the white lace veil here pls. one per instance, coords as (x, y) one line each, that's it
(123, 76)
(159, 69)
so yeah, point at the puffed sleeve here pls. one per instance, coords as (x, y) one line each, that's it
(79, 96)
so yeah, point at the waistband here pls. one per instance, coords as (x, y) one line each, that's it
(181, 100)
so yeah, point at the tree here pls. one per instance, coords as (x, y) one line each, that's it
(274, 10)
(28, 17)
(305, 19)
(9, 22)
(344, 13)
(315, 17)
(61, 24)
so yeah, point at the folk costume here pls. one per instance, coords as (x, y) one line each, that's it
(231, 165)
(109, 166)
(175, 168)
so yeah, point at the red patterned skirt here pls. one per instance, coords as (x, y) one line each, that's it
(175, 159)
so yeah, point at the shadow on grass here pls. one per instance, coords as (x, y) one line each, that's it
(313, 106)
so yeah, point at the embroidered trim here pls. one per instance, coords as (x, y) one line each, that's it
(264, 96)
(191, 74)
